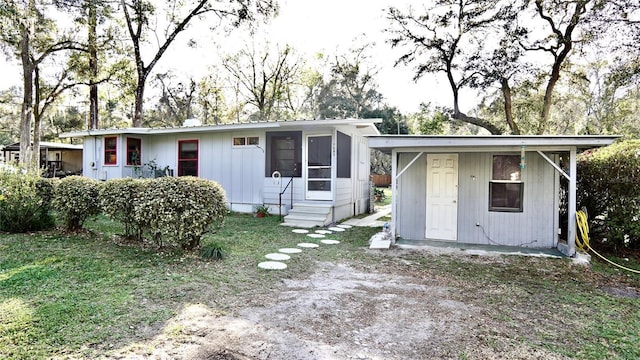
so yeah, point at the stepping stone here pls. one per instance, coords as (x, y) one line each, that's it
(272, 265)
(323, 232)
(308, 245)
(290, 250)
(336, 229)
(330, 242)
(344, 226)
(277, 257)
(300, 231)
(315, 236)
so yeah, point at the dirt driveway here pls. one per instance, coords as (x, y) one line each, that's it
(392, 309)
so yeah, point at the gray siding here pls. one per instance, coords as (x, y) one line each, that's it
(534, 227)
(412, 192)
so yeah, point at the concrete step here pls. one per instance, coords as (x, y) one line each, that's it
(308, 215)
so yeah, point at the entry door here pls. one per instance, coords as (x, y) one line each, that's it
(442, 197)
(318, 186)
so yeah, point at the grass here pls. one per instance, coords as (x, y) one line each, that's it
(86, 294)
(83, 295)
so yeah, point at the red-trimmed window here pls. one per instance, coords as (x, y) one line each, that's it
(188, 158)
(134, 151)
(110, 150)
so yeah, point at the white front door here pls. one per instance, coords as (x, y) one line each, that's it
(442, 197)
(318, 167)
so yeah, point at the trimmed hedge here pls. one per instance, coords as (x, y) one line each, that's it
(75, 200)
(25, 202)
(171, 211)
(117, 199)
(177, 211)
(609, 187)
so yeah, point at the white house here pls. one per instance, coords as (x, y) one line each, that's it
(317, 169)
(494, 190)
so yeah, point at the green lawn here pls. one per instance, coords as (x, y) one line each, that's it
(86, 293)
(82, 295)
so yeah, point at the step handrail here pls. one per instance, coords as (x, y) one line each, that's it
(280, 197)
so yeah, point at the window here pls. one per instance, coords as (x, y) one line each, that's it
(110, 150)
(244, 141)
(506, 188)
(284, 153)
(134, 147)
(188, 158)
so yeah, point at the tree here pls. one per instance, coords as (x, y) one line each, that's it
(351, 88)
(34, 39)
(444, 40)
(264, 78)
(456, 37)
(140, 22)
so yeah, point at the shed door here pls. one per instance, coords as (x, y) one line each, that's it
(442, 197)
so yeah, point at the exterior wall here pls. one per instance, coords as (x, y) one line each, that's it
(240, 170)
(535, 226)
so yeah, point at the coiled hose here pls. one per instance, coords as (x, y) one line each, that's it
(582, 240)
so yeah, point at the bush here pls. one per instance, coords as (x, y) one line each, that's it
(608, 181)
(75, 200)
(178, 211)
(117, 197)
(25, 202)
(213, 251)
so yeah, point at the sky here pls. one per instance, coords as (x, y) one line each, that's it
(311, 26)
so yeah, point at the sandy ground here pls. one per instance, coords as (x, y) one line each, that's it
(339, 312)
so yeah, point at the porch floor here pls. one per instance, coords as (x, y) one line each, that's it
(479, 249)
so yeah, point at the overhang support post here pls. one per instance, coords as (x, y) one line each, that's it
(571, 205)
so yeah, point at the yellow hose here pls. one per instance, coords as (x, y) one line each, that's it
(582, 240)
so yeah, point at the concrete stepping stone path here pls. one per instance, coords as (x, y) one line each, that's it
(344, 226)
(308, 245)
(272, 265)
(330, 242)
(315, 236)
(290, 250)
(278, 256)
(300, 231)
(336, 229)
(323, 232)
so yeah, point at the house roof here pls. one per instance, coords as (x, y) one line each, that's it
(366, 126)
(440, 143)
(46, 145)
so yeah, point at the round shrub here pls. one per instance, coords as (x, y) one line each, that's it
(76, 199)
(25, 201)
(608, 181)
(117, 197)
(178, 211)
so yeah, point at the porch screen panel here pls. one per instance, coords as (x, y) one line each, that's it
(344, 155)
(284, 153)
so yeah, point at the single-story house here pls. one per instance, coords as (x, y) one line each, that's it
(494, 190)
(57, 158)
(314, 171)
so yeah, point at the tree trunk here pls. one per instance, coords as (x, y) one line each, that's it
(36, 119)
(93, 65)
(26, 113)
(506, 94)
(139, 98)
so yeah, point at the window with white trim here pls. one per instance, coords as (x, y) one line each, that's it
(246, 140)
(506, 188)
